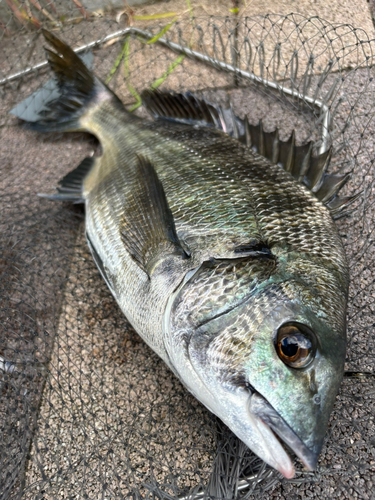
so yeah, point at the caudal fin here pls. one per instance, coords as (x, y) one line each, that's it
(79, 90)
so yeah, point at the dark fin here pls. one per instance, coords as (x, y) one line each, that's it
(189, 109)
(77, 87)
(236, 128)
(297, 160)
(307, 169)
(302, 158)
(331, 185)
(339, 207)
(183, 108)
(70, 186)
(99, 264)
(257, 138)
(31, 108)
(248, 137)
(148, 230)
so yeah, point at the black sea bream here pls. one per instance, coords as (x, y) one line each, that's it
(226, 261)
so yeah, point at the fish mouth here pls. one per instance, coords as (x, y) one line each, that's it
(261, 409)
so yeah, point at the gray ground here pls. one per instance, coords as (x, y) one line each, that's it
(105, 417)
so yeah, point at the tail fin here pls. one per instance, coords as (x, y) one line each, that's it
(78, 88)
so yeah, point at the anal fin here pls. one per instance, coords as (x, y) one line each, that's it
(70, 186)
(148, 230)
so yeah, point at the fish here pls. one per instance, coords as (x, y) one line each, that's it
(218, 241)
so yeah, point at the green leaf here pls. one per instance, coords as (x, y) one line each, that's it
(169, 70)
(155, 16)
(117, 63)
(161, 32)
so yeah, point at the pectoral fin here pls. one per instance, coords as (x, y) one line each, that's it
(148, 230)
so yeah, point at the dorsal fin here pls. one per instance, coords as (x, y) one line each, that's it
(298, 160)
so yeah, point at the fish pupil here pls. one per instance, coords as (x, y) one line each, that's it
(289, 347)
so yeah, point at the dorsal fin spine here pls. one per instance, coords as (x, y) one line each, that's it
(318, 168)
(261, 145)
(290, 158)
(305, 162)
(235, 128)
(248, 134)
(275, 147)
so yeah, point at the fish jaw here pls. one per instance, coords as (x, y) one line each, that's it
(260, 408)
(240, 409)
(249, 415)
(280, 459)
(261, 428)
(253, 430)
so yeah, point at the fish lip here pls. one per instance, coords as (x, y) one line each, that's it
(262, 409)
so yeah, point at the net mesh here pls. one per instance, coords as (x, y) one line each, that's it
(87, 410)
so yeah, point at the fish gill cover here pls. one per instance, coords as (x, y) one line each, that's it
(87, 410)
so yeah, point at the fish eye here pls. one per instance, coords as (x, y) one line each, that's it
(296, 345)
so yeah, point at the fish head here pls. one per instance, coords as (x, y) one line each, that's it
(262, 351)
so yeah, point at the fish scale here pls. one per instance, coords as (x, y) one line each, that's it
(227, 262)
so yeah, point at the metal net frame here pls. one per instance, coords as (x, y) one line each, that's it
(87, 410)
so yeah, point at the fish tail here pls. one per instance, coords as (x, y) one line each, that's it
(80, 92)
